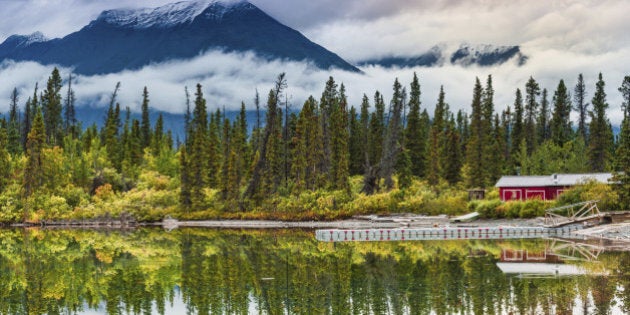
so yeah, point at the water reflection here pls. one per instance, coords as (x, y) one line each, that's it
(200, 271)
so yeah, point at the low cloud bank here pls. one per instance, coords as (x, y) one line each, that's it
(231, 78)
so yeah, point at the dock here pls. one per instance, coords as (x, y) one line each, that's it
(444, 233)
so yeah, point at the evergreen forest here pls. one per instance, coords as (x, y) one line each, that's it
(329, 160)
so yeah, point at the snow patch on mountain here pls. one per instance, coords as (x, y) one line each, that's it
(169, 15)
(26, 40)
(486, 55)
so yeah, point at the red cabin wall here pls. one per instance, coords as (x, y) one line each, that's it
(526, 193)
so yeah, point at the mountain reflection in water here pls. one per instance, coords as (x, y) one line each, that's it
(205, 271)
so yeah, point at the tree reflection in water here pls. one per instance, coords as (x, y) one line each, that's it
(203, 271)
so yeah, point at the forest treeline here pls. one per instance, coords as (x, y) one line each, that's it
(327, 155)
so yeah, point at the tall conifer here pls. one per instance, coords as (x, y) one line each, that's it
(601, 138)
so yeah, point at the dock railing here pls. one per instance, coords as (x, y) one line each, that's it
(568, 214)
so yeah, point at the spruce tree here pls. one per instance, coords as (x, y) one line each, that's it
(33, 176)
(415, 135)
(224, 179)
(70, 121)
(213, 149)
(327, 104)
(622, 167)
(561, 130)
(532, 90)
(254, 186)
(146, 122)
(356, 145)
(517, 136)
(197, 153)
(581, 106)
(157, 140)
(13, 129)
(600, 138)
(307, 149)
(5, 159)
(506, 153)
(339, 143)
(435, 148)
(543, 132)
(377, 129)
(393, 137)
(51, 107)
(453, 154)
(474, 149)
(488, 135)
(496, 162)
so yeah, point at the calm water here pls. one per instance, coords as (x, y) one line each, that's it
(202, 271)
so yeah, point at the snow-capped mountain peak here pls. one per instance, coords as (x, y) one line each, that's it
(169, 15)
(26, 40)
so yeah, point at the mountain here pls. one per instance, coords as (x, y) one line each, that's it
(130, 39)
(465, 55)
(429, 59)
(487, 55)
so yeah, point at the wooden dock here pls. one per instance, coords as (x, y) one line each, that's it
(445, 233)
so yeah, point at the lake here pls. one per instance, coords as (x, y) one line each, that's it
(207, 271)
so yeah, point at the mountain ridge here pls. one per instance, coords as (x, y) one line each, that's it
(465, 55)
(128, 39)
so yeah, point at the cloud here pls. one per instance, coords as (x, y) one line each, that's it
(228, 79)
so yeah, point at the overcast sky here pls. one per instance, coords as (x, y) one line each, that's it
(562, 38)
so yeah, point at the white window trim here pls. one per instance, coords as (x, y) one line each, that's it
(527, 191)
(520, 194)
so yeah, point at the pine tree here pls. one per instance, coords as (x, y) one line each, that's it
(33, 177)
(581, 106)
(157, 139)
(377, 129)
(517, 136)
(213, 149)
(339, 143)
(224, 178)
(327, 105)
(241, 146)
(254, 186)
(532, 90)
(392, 143)
(185, 193)
(561, 121)
(497, 161)
(356, 145)
(506, 153)
(623, 150)
(5, 159)
(544, 132)
(435, 149)
(111, 136)
(415, 134)
(146, 122)
(488, 135)
(70, 120)
(197, 153)
(51, 107)
(601, 138)
(13, 129)
(453, 154)
(474, 149)
(307, 149)
(135, 143)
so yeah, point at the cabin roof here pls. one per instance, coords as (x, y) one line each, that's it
(552, 180)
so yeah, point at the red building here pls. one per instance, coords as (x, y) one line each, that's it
(543, 187)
